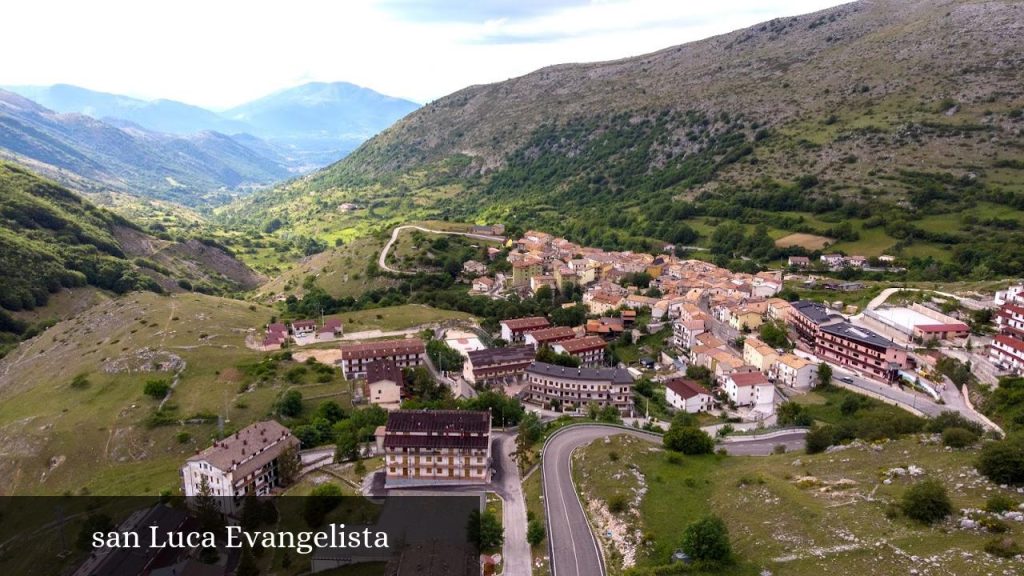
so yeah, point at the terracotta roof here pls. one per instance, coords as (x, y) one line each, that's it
(521, 324)
(578, 345)
(1010, 341)
(384, 369)
(277, 327)
(685, 387)
(954, 327)
(382, 348)
(552, 334)
(748, 378)
(303, 324)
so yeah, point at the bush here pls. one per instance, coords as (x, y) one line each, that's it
(156, 389)
(999, 503)
(927, 502)
(1003, 547)
(80, 382)
(617, 504)
(290, 404)
(949, 419)
(1003, 461)
(958, 437)
(707, 540)
(688, 440)
(535, 533)
(183, 437)
(818, 439)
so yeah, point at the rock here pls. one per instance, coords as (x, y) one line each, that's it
(798, 462)
(968, 524)
(896, 472)
(887, 481)
(915, 470)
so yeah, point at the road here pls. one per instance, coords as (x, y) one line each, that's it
(508, 484)
(573, 546)
(382, 259)
(911, 401)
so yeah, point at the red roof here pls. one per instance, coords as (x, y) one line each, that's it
(1014, 343)
(383, 348)
(685, 387)
(580, 345)
(956, 327)
(748, 379)
(277, 327)
(530, 323)
(552, 334)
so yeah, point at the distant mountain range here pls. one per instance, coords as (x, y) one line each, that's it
(308, 126)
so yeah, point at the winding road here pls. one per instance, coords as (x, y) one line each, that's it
(573, 547)
(382, 259)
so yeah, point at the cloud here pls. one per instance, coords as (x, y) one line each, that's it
(474, 11)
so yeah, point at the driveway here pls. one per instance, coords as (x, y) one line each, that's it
(507, 484)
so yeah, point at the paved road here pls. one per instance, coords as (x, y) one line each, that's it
(508, 484)
(573, 547)
(382, 259)
(915, 402)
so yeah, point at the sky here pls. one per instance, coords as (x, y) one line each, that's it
(220, 53)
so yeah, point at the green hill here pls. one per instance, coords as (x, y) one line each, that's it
(903, 119)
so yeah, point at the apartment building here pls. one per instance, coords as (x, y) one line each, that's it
(589, 349)
(575, 388)
(406, 353)
(861, 349)
(1007, 348)
(496, 365)
(548, 336)
(687, 395)
(437, 447)
(515, 329)
(247, 462)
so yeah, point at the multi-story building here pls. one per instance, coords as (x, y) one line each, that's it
(685, 332)
(247, 462)
(303, 327)
(808, 317)
(384, 382)
(795, 372)
(575, 388)
(515, 329)
(749, 389)
(549, 336)
(860, 349)
(497, 365)
(439, 447)
(687, 395)
(1007, 348)
(406, 353)
(589, 349)
(759, 355)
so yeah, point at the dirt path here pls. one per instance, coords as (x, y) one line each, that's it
(382, 260)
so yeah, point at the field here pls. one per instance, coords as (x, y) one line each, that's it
(808, 241)
(339, 271)
(398, 317)
(792, 514)
(100, 437)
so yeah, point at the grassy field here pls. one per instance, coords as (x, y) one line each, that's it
(808, 241)
(795, 514)
(95, 439)
(339, 271)
(398, 317)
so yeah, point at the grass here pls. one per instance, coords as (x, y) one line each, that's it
(532, 488)
(398, 317)
(777, 525)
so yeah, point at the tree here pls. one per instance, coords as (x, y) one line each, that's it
(320, 502)
(926, 501)
(444, 357)
(530, 429)
(549, 356)
(330, 411)
(207, 509)
(290, 404)
(288, 465)
(818, 439)
(793, 414)
(1003, 461)
(689, 440)
(93, 523)
(485, 530)
(535, 533)
(824, 375)
(707, 540)
(774, 334)
(247, 563)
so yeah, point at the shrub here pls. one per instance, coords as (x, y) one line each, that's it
(818, 439)
(707, 540)
(779, 449)
(949, 419)
(290, 404)
(927, 502)
(80, 382)
(958, 437)
(1003, 547)
(183, 437)
(156, 389)
(535, 533)
(999, 503)
(617, 504)
(1003, 461)
(689, 440)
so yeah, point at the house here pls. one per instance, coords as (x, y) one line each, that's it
(795, 372)
(778, 310)
(1007, 353)
(277, 328)
(857, 261)
(384, 382)
(687, 395)
(759, 355)
(541, 280)
(247, 462)
(303, 327)
(799, 261)
(497, 365)
(406, 353)
(569, 389)
(833, 260)
(887, 259)
(437, 448)
(685, 332)
(483, 284)
(273, 341)
(607, 328)
(523, 270)
(749, 389)
(515, 329)
(600, 302)
(589, 349)
(548, 336)
(474, 268)
(332, 328)
(749, 316)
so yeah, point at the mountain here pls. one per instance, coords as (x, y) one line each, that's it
(886, 126)
(90, 154)
(66, 242)
(321, 121)
(168, 116)
(307, 126)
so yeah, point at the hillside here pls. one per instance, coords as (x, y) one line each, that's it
(903, 119)
(67, 242)
(191, 170)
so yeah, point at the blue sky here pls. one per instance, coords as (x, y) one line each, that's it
(223, 52)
